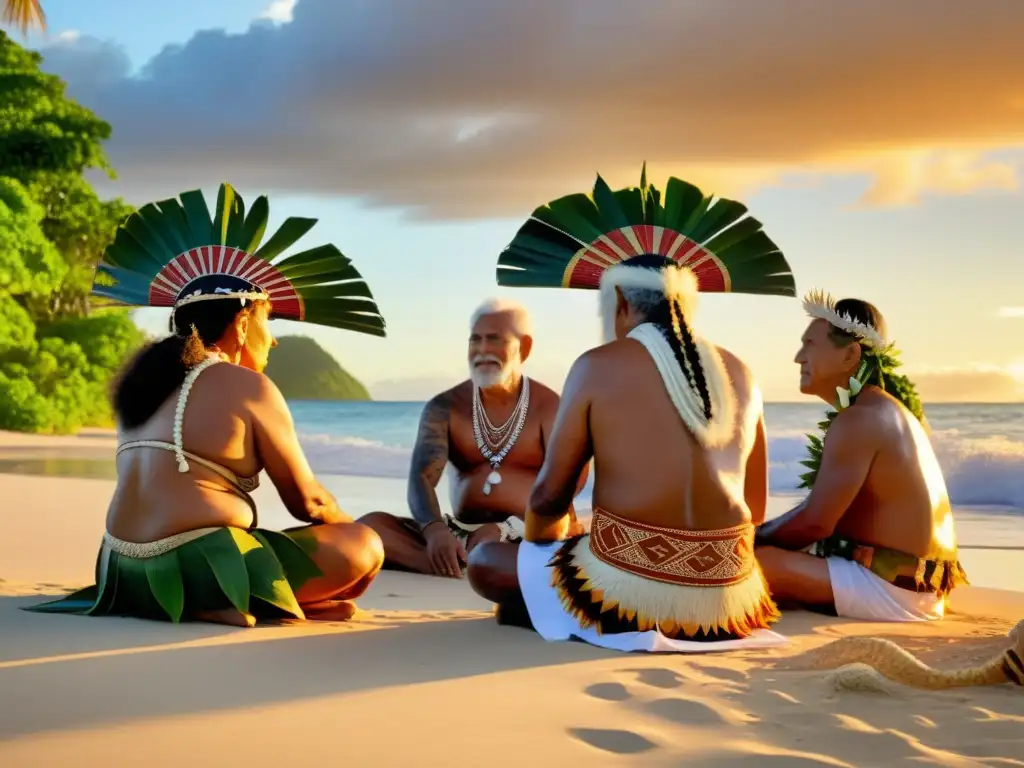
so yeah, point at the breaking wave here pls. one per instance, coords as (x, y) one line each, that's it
(979, 471)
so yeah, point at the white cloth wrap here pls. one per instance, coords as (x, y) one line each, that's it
(860, 594)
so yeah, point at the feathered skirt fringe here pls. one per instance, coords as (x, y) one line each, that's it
(612, 600)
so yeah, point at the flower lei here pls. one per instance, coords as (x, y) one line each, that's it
(876, 367)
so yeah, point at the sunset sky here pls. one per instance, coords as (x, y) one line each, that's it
(883, 150)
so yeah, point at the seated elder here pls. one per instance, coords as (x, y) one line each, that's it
(198, 421)
(491, 431)
(674, 425)
(874, 539)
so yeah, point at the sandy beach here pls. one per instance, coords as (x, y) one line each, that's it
(424, 676)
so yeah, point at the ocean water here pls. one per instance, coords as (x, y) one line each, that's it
(980, 447)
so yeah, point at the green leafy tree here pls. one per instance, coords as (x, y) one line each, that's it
(56, 356)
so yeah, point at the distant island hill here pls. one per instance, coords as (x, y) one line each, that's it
(303, 370)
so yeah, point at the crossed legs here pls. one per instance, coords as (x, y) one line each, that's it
(797, 579)
(349, 554)
(405, 548)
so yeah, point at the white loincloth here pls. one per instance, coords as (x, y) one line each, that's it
(512, 528)
(554, 623)
(860, 594)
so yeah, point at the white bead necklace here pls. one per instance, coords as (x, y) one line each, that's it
(495, 443)
(179, 412)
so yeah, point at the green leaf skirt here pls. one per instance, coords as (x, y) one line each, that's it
(255, 571)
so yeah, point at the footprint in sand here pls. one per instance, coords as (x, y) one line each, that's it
(608, 691)
(657, 678)
(726, 674)
(695, 712)
(615, 741)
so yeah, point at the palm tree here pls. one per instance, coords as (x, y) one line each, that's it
(24, 14)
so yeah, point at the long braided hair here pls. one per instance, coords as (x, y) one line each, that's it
(669, 315)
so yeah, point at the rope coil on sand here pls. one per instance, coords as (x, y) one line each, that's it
(866, 663)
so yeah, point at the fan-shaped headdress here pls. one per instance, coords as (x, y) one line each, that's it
(171, 253)
(677, 245)
(573, 241)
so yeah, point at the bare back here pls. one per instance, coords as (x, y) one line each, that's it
(648, 466)
(153, 499)
(903, 503)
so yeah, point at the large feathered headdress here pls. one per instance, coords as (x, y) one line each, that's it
(171, 253)
(572, 241)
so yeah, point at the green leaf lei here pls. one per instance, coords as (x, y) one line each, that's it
(877, 367)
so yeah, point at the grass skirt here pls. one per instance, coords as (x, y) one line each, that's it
(255, 572)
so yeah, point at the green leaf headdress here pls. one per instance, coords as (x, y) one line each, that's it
(573, 241)
(172, 253)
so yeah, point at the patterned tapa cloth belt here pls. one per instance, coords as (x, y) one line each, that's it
(689, 558)
(626, 576)
(901, 569)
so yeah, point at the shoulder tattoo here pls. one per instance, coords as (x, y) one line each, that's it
(431, 451)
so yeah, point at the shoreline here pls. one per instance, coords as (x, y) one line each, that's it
(82, 691)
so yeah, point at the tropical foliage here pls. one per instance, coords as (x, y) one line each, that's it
(56, 357)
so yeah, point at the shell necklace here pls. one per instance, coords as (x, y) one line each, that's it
(494, 443)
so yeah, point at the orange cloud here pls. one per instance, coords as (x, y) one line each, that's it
(975, 384)
(490, 108)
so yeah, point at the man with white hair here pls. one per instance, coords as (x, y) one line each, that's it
(493, 430)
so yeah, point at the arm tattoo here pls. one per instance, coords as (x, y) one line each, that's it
(429, 457)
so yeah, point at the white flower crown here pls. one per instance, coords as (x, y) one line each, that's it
(822, 305)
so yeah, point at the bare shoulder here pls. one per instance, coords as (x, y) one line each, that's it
(592, 364)
(438, 409)
(243, 383)
(859, 425)
(885, 412)
(743, 381)
(542, 396)
(738, 371)
(609, 355)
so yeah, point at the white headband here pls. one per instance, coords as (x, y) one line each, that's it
(676, 282)
(219, 293)
(822, 305)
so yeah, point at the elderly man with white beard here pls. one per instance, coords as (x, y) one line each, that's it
(492, 430)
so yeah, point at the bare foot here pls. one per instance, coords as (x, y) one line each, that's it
(228, 616)
(330, 610)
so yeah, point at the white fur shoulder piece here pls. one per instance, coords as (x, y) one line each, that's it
(721, 428)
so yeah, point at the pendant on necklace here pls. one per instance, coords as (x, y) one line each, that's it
(492, 479)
